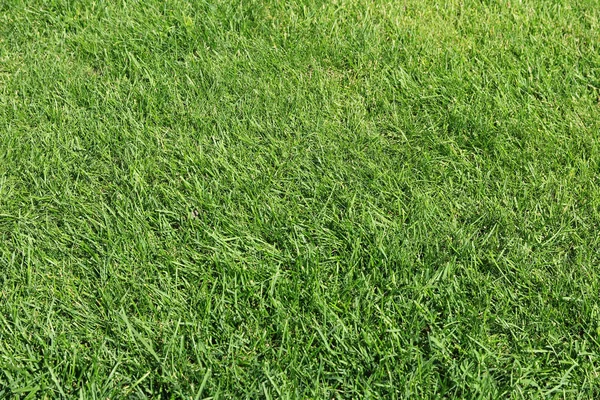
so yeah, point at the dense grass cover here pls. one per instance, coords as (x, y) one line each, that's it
(325, 199)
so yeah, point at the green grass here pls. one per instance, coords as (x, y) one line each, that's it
(303, 199)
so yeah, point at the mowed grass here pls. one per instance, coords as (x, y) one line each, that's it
(304, 199)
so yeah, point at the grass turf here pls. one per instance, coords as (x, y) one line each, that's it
(310, 199)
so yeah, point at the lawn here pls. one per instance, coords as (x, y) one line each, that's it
(302, 199)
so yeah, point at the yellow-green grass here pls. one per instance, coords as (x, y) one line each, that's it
(303, 199)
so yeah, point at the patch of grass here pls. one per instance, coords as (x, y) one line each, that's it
(299, 199)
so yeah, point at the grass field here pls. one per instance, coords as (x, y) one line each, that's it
(303, 199)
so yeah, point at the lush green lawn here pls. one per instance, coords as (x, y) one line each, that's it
(324, 199)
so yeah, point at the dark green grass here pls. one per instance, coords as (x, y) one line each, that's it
(315, 199)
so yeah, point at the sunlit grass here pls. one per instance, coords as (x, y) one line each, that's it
(307, 199)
